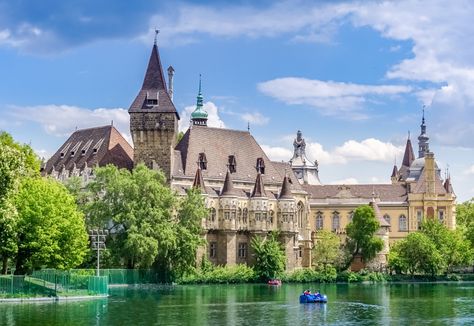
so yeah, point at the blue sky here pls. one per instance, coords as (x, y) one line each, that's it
(353, 76)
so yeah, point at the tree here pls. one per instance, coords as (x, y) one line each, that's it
(16, 162)
(327, 250)
(149, 224)
(418, 253)
(50, 229)
(465, 219)
(361, 238)
(452, 245)
(269, 256)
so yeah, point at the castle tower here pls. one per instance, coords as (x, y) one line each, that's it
(154, 119)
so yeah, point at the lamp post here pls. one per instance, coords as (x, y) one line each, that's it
(97, 238)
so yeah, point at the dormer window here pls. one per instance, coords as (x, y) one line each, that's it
(62, 155)
(72, 153)
(83, 152)
(152, 99)
(202, 161)
(232, 164)
(94, 151)
(151, 102)
(260, 166)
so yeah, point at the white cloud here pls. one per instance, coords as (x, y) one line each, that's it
(277, 153)
(347, 181)
(469, 170)
(255, 118)
(328, 96)
(62, 120)
(213, 118)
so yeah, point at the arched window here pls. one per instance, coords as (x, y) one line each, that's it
(239, 214)
(300, 209)
(270, 216)
(335, 221)
(402, 223)
(387, 218)
(319, 221)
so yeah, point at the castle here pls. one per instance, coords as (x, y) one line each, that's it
(248, 194)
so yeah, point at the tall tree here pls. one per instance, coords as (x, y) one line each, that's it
(361, 237)
(50, 229)
(327, 250)
(269, 256)
(465, 219)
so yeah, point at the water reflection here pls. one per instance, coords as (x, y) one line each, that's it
(359, 304)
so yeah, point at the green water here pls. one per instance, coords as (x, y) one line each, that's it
(396, 304)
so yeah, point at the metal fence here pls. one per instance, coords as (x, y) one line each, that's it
(123, 276)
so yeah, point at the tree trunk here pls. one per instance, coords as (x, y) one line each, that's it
(4, 265)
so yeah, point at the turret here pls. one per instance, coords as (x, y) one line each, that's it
(199, 116)
(423, 144)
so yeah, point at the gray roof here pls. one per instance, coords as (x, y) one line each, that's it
(386, 192)
(92, 146)
(154, 87)
(218, 144)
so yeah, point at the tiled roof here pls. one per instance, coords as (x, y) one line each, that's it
(228, 187)
(154, 87)
(285, 192)
(218, 144)
(409, 155)
(92, 146)
(378, 214)
(386, 192)
(420, 186)
(259, 187)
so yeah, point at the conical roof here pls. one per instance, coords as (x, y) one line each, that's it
(409, 155)
(394, 171)
(258, 188)
(228, 188)
(378, 214)
(285, 189)
(154, 77)
(199, 181)
(448, 186)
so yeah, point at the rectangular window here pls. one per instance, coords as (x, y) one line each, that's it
(213, 249)
(257, 216)
(242, 250)
(227, 215)
(441, 215)
(232, 215)
(419, 218)
(285, 217)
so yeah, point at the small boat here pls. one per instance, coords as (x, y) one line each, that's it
(313, 298)
(274, 282)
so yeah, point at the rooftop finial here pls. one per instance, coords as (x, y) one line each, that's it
(408, 134)
(423, 118)
(199, 84)
(157, 31)
(248, 126)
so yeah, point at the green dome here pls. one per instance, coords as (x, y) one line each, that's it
(199, 114)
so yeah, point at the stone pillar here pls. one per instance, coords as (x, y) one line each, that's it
(306, 261)
(287, 240)
(230, 247)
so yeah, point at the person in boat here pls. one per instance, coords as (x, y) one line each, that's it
(307, 292)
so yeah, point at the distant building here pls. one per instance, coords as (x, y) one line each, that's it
(248, 194)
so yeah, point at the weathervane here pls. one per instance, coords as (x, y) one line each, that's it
(157, 31)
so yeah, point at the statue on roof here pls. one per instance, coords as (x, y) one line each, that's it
(299, 145)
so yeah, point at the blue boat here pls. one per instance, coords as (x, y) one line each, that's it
(313, 298)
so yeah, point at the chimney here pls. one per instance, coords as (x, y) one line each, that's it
(430, 173)
(170, 81)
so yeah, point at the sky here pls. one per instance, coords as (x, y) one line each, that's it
(352, 76)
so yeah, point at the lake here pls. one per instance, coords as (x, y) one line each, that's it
(349, 304)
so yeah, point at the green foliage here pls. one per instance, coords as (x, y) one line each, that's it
(465, 219)
(151, 226)
(307, 275)
(221, 275)
(361, 238)
(349, 277)
(327, 250)
(269, 256)
(50, 229)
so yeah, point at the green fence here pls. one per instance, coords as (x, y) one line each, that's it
(123, 276)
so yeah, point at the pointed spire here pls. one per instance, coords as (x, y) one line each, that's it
(285, 192)
(409, 155)
(394, 171)
(228, 188)
(423, 145)
(259, 187)
(378, 214)
(154, 77)
(199, 181)
(447, 183)
(199, 116)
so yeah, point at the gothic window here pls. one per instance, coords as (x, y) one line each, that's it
(245, 215)
(202, 161)
(232, 164)
(242, 250)
(291, 216)
(213, 214)
(335, 221)
(285, 217)
(319, 221)
(419, 218)
(257, 216)
(239, 214)
(260, 166)
(213, 249)
(227, 215)
(300, 209)
(270, 216)
(402, 223)
(264, 216)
